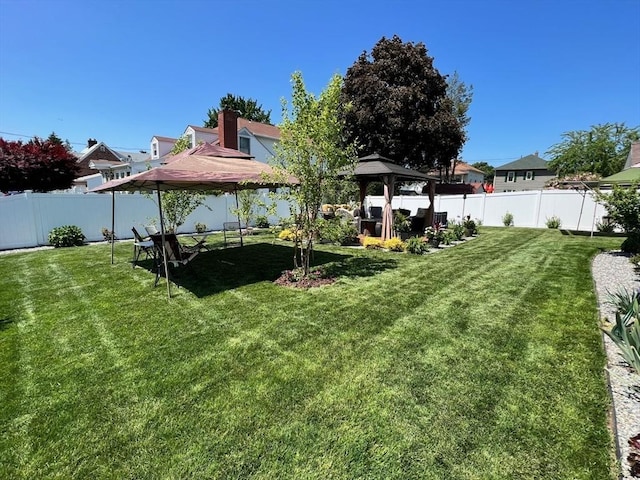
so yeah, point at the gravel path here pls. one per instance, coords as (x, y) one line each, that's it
(612, 272)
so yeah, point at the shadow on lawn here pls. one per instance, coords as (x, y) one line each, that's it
(218, 270)
(5, 323)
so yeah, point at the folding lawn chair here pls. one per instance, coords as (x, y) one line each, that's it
(140, 246)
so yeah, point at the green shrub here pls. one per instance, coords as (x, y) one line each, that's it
(554, 222)
(416, 245)
(449, 237)
(458, 229)
(507, 219)
(338, 231)
(632, 243)
(262, 221)
(66, 236)
(605, 227)
(401, 222)
(200, 227)
(470, 227)
(635, 259)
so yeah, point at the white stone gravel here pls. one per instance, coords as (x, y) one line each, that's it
(612, 271)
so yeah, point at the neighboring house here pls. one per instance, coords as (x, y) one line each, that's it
(462, 172)
(161, 146)
(633, 160)
(256, 139)
(98, 163)
(528, 173)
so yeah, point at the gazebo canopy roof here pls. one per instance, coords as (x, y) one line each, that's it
(373, 167)
(200, 172)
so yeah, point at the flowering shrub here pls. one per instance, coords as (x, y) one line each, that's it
(287, 234)
(394, 244)
(434, 234)
(372, 243)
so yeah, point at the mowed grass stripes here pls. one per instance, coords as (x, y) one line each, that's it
(480, 361)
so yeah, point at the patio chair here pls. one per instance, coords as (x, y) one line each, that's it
(151, 230)
(141, 245)
(177, 255)
(348, 216)
(375, 212)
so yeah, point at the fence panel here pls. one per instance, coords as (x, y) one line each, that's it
(26, 219)
(577, 210)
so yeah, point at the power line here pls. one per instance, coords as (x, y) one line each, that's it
(73, 143)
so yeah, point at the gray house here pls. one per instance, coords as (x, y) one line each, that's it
(528, 173)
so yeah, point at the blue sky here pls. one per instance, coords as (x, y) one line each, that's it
(123, 71)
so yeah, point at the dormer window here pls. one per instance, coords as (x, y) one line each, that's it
(154, 149)
(245, 145)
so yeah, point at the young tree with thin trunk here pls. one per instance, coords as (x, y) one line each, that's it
(310, 149)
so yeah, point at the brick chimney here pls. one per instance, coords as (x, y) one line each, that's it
(91, 142)
(228, 129)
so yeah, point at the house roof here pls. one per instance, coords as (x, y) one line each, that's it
(625, 177)
(203, 129)
(259, 129)
(634, 155)
(530, 162)
(131, 157)
(462, 167)
(256, 128)
(165, 139)
(85, 152)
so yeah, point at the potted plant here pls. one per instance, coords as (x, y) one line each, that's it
(470, 228)
(434, 235)
(401, 225)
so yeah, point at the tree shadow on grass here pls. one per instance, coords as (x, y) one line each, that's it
(5, 323)
(218, 270)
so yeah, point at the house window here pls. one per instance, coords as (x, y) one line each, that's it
(245, 145)
(155, 150)
(102, 149)
(528, 175)
(511, 176)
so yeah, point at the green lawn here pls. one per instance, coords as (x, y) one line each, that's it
(483, 361)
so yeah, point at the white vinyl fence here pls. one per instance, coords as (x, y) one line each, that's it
(577, 210)
(27, 218)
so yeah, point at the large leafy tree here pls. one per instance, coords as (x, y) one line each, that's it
(246, 107)
(310, 149)
(399, 106)
(38, 165)
(601, 150)
(488, 170)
